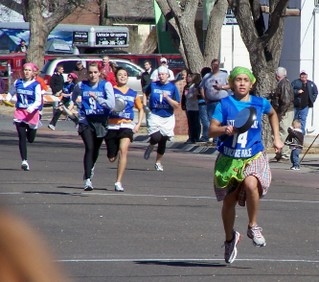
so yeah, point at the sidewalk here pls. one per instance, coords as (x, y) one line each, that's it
(66, 128)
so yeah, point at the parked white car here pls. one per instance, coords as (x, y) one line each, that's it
(69, 64)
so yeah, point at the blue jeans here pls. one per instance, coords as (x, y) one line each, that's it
(294, 157)
(210, 111)
(202, 108)
(302, 114)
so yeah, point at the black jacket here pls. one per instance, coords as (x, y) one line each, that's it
(146, 79)
(312, 90)
(56, 82)
(295, 137)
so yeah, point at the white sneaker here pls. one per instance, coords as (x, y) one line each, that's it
(51, 126)
(159, 167)
(148, 151)
(92, 172)
(118, 187)
(255, 234)
(25, 165)
(88, 185)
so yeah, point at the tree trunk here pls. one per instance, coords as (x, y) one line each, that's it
(264, 45)
(43, 17)
(213, 35)
(182, 22)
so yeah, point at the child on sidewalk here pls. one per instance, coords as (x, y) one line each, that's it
(295, 141)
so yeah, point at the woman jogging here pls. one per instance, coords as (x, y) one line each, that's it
(26, 115)
(163, 99)
(97, 100)
(242, 172)
(121, 126)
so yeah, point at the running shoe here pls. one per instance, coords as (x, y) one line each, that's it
(118, 187)
(159, 167)
(254, 233)
(51, 126)
(148, 151)
(88, 185)
(231, 248)
(295, 168)
(25, 165)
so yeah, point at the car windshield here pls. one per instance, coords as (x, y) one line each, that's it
(131, 70)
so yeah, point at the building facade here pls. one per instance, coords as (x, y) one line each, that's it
(301, 50)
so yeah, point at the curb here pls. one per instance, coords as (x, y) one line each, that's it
(201, 148)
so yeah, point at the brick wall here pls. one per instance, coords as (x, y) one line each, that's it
(181, 126)
(86, 16)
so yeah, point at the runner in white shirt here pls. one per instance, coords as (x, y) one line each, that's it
(154, 75)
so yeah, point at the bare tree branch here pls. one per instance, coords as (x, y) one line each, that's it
(12, 5)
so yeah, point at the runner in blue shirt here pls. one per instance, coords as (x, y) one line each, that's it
(97, 101)
(163, 100)
(242, 172)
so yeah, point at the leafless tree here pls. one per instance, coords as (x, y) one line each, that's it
(263, 37)
(180, 16)
(43, 16)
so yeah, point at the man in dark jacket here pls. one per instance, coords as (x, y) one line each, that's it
(56, 84)
(305, 94)
(57, 80)
(146, 75)
(282, 101)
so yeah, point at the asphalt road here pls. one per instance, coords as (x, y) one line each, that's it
(166, 226)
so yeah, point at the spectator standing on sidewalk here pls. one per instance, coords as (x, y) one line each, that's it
(242, 172)
(192, 111)
(56, 84)
(214, 86)
(27, 114)
(146, 75)
(107, 70)
(2, 84)
(97, 100)
(163, 100)
(282, 100)
(22, 47)
(305, 95)
(57, 80)
(202, 107)
(80, 71)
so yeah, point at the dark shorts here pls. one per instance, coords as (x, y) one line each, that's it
(112, 140)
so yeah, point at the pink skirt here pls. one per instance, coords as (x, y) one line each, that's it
(21, 115)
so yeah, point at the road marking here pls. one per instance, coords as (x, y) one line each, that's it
(116, 194)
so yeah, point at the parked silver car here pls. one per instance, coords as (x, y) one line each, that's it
(69, 65)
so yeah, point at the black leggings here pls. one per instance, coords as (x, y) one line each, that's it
(92, 147)
(158, 138)
(25, 133)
